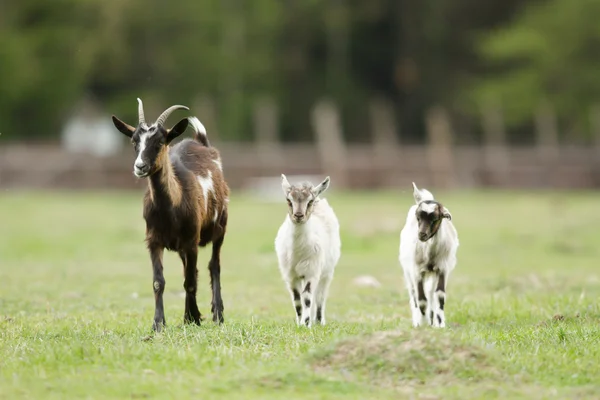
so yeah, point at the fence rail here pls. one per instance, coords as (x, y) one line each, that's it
(383, 163)
(364, 166)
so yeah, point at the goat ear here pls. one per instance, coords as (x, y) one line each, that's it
(323, 186)
(124, 128)
(417, 194)
(446, 214)
(177, 130)
(285, 185)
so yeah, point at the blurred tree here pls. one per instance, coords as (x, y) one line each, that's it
(47, 49)
(416, 54)
(548, 54)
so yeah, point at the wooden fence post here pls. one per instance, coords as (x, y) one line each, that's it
(595, 131)
(266, 128)
(439, 148)
(546, 132)
(330, 141)
(497, 159)
(595, 128)
(385, 140)
(547, 142)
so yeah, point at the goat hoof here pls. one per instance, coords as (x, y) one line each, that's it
(217, 314)
(218, 318)
(417, 321)
(192, 319)
(440, 325)
(157, 326)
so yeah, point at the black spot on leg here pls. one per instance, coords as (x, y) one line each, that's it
(421, 297)
(431, 316)
(439, 317)
(415, 300)
(319, 314)
(307, 302)
(307, 321)
(307, 288)
(296, 295)
(441, 290)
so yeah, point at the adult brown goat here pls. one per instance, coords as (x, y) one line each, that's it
(185, 205)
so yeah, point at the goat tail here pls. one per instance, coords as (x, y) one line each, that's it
(200, 131)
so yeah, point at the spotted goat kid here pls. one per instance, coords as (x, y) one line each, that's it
(428, 245)
(308, 248)
(185, 205)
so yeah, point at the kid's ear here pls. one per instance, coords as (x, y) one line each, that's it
(417, 193)
(285, 185)
(323, 186)
(446, 214)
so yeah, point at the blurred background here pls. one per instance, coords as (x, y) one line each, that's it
(377, 93)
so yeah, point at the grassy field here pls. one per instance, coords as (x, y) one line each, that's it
(523, 311)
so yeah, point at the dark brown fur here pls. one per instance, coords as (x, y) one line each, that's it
(174, 191)
(429, 223)
(177, 215)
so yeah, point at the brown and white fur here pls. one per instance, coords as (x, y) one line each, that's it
(185, 205)
(428, 245)
(308, 249)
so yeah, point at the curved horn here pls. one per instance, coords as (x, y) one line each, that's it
(163, 117)
(142, 119)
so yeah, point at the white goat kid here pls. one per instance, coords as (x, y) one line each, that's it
(428, 245)
(308, 248)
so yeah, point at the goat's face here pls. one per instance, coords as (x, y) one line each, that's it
(150, 144)
(429, 215)
(151, 141)
(301, 198)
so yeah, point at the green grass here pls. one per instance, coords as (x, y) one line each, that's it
(523, 312)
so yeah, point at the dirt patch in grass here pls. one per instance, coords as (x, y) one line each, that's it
(404, 359)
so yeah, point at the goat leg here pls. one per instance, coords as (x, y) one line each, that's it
(156, 255)
(422, 301)
(440, 297)
(190, 285)
(321, 298)
(295, 287)
(308, 300)
(214, 267)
